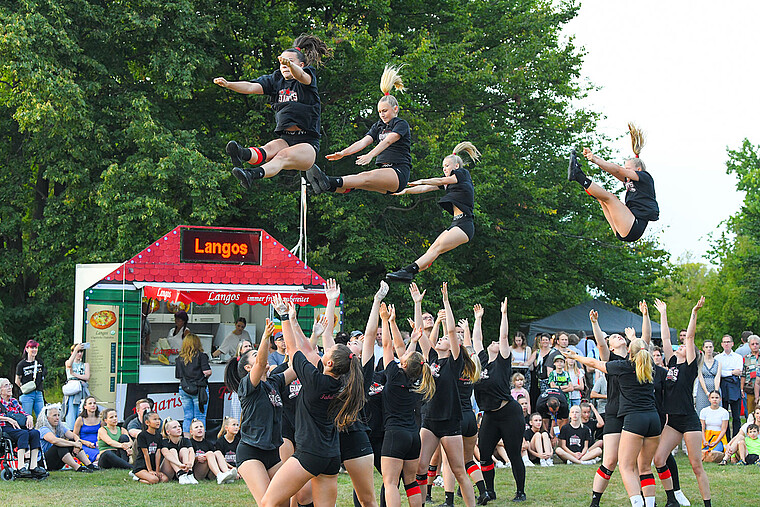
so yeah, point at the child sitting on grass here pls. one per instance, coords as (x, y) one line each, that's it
(749, 450)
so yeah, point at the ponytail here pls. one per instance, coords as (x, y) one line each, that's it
(351, 397)
(223, 429)
(471, 368)
(637, 143)
(391, 79)
(642, 360)
(310, 49)
(231, 376)
(468, 148)
(417, 369)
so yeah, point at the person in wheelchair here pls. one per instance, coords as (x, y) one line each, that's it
(18, 426)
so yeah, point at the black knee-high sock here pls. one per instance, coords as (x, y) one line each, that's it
(254, 156)
(488, 475)
(335, 182)
(412, 268)
(673, 467)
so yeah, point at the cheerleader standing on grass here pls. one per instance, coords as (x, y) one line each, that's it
(502, 416)
(293, 91)
(629, 220)
(392, 154)
(329, 401)
(641, 422)
(258, 453)
(683, 421)
(459, 201)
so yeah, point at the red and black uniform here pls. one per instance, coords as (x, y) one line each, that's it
(641, 199)
(462, 195)
(398, 155)
(678, 402)
(637, 407)
(442, 415)
(612, 423)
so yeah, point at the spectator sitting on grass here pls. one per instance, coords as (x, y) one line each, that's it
(86, 427)
(228, 439)
(178, 453)
(733, 444)
(749, 449)
(574, 440)
(207, 459)
(539, 446)
(113, 442)
(60, 444)
(593, 420)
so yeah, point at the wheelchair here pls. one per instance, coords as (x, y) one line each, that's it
(8, 460)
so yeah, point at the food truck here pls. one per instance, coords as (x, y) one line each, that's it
(215, 275)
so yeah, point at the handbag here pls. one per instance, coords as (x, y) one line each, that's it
(19, 418)
(30, 386)
(72, 387)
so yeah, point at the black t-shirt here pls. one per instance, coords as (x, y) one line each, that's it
(679, 385)
(25, 370)
(399, 399)
(261, 411)
(150, 442)
(493, 387)
(634, 397)
(613, 390)
(575, 438)
(546, 362)
(203, 446)
(228, 449)
(289, 396)
(596, 433)
(374, 406)
(641, 199)
(398, 152)
(444, 405)
(191, 373)
(465, 388)
(529, 433)
(316, 432)
(295, 103)
(180, 444)
(660, 374)
(460, 194)
(361, 421)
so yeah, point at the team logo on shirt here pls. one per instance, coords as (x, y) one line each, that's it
(274, 398)
(465, 380)
(672, 374)
(152, 448)
(484, 374)
(384, 133)
(295, 388)
(287, 95)
(629, 186)
(375, 389)
(435, 368)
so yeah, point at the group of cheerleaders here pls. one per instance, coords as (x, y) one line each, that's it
(292, 90)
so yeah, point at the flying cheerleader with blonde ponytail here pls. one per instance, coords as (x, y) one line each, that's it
(629, 220)
(459, 201)
(392, 154)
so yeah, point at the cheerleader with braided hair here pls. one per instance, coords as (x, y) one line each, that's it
(459, 201)
(629, 220)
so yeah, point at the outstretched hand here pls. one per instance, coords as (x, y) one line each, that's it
(661, 306)
(279, 305)
(384, 313)
(332, 290)
(335, 156)
(699, 305)
(630, 333)
(463, 323)
(221, 82)
(643, 308)
(416, 334)
(478, 310)
(364, 159)
(504, 306)
(593, 316)
(445, 291)
(320, 324)
(286, 62)
(392, 313)
(415, 292)
(588, 154)
(382, 291)
(268, 330)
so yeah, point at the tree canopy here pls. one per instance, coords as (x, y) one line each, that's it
(115, 133)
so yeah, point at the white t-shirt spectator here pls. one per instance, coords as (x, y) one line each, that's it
(729, 362)
(230, 343)
(713, 418)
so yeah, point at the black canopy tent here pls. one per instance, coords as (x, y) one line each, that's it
(575, 320)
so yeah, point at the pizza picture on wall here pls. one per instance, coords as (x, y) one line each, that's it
(103, 319)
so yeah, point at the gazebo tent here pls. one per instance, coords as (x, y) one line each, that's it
(575, 320)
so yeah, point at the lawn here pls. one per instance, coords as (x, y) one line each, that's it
(561, 485)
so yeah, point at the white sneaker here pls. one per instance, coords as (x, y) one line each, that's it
(232, 475)
(588, 462)
(183, 479)
(527, 462)
(550, 462)
(133, 476)
(543, 462)
(221, 477)
(191, 479)
(570, 462)
(682, 500)
(438, 481)
(499, 464)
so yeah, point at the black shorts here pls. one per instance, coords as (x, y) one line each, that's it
(685, 423)
(613, 425)
(354, 444)
(644, 424)
(403, 171)
(318, 465)
(401, 444)
(637, 230)
(293, 137)
(464, 222)
(564, 407)
(469, 424)
(443, 428)
(286, 427)
(246, 452)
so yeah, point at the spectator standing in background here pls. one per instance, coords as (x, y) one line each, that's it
(731, 365)
(279, 355)
(145, 330)
(599, 392)
(232, 341)
(587, 348)
(77, 372)
(30, 377)
(709, 376)
(193, 370)
(749, 386)
(743, 349)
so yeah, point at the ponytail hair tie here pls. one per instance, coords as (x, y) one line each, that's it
(422, 362)
(351, 355)
(637, 155)
(387, 93)
(297, 48)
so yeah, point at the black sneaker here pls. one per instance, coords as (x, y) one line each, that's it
(233, 150)
(40, 473)
(484, 498)
(245, 176)
(317, 179)
(400, 276)
(93, 467)
(83, 469)
(574, 167)
(24, 473)
(520, 497)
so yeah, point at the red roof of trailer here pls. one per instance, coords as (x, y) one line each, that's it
(160, 262)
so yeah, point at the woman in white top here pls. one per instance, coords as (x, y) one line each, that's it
(78, 370)
(521, 357)
(714, 425)
(230, 344)
(176, 335)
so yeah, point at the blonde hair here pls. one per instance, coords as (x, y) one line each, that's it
(418, 369)
(471, 368)
(638, 141)
(468, 148)
(518, 376)
(191, 347)
(642, 360)
(225, 422)
(388, 81)
(165, 424)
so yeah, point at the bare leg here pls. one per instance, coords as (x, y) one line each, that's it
(669, 439)
(381, 180)
(618, 215)
(469, 452)
(361, 470)
(644, 462)
(694, 445)
(257, 478)
(454, 449)
(392, 469)
(299, 157)
(446, 241)
(609, 460)
(286, 482)
(325, 490)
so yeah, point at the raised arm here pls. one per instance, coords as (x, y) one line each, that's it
(588, 361)
(477, 329)
(691, 331)
(370, 331)
(417, 297)
(435, 182)
(244, 87)
(299, 74)
(427, 342)
(386, 332)
(318, 329)
(646, 324)
(451, 331)
(304, 345)
(601, 341)
(333, 295)
(667, 346)
(261, 364)
(467, 338)
(398, 341)
(419, 189)
(504, 349)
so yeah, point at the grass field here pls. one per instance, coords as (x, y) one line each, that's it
(561, 485)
